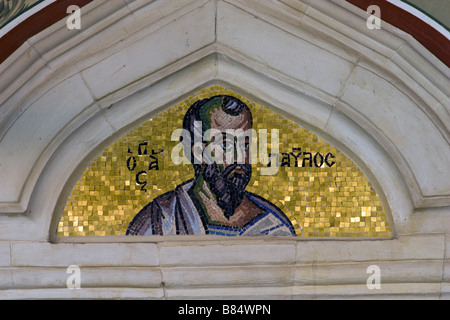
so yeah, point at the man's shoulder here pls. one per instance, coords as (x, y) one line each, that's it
(262, 202)
(159, 208)
(283, 226)
(269, 206)
(166, 200)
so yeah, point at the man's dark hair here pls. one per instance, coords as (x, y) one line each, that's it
(230, 105)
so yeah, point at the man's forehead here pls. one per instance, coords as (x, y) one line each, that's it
(221, 120)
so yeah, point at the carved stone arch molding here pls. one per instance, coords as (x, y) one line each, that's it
(378, 95)
(366, 95)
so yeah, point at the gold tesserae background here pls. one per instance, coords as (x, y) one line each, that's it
(323, 201)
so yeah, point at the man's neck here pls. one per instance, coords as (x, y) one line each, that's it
(244, 213)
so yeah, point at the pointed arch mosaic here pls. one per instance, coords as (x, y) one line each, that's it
(288, 181)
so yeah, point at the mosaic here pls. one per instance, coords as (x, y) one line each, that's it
(11, 9)
(218, 163)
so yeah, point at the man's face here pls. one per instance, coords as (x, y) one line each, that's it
(229, 179)
(234, 143)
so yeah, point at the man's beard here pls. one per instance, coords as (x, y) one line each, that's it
(228, 186)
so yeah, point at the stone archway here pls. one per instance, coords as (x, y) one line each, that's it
(382, 97)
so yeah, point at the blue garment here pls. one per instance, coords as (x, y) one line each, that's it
(268, 223)
(175, 213)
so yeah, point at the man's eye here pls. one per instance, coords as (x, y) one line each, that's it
(228, 146)
(243, 145)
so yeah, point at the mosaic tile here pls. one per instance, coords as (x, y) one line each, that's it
(316, 191)
(11, 9)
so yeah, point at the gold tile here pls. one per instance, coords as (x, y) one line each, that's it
(323, 201)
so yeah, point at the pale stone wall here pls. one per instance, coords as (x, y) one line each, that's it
(412, 266)
(377, 94)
